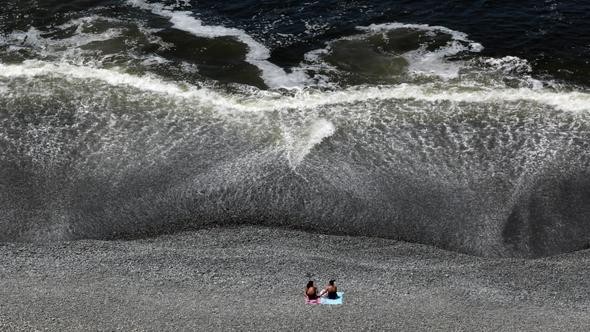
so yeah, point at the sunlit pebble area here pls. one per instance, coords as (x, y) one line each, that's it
(252, 278)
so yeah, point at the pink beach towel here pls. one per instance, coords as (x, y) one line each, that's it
(314, 301)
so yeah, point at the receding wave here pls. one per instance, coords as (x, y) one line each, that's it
(110, 154)
(134, 126)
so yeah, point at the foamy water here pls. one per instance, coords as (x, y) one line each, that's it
(574, 101)
(167, 118)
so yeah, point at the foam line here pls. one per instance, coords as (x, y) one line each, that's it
(148, 83)
(574, 101)
(566, 101)
(457, 35)
(258, 54)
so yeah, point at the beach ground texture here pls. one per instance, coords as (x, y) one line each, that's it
(252, 278)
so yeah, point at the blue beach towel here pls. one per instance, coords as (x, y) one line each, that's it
(337, 301)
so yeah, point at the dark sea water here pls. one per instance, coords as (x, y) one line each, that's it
(460, 124)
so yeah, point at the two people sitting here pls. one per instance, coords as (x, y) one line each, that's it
(331, 291)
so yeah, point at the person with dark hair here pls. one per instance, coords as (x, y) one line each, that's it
(311, 292)
(331, 290)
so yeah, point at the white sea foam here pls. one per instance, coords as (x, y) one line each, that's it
(424, 62)
(148, 83)
(515, 67)
(301, 145)
(258, 54)
(457, 35)
(509, 64)
(79, 23)
(573, 101)
(567, 101)
(77, 47)
(47, 47)
(154, 60)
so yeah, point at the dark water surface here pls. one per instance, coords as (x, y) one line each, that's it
(552, 35)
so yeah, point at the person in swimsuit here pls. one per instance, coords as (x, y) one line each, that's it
(331, 290)
(311, 292)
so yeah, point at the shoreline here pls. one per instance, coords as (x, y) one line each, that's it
(252, 278)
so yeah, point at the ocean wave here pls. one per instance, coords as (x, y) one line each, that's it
(96, 153)
(574, 101)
